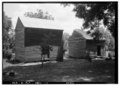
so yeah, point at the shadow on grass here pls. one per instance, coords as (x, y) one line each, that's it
(69, 70)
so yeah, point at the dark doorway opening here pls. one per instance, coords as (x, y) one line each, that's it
(99, 50)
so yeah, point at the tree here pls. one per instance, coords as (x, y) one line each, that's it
(95, 14)
(92, 11)
(66, 36)
(104, 34)
(39, 14)
(97, 11)
(65, 40)
(7, 26)
(109, 40)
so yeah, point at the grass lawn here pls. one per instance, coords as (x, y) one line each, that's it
(74, 70)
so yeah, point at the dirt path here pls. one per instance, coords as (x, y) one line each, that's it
(6, 64)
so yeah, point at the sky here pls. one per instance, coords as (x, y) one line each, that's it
(63, 15)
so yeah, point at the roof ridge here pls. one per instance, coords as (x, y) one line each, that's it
(84, 34)
(40, 23)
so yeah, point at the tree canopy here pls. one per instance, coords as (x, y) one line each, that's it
(7, 24)
(96, 14)
(90, 12)
(104, 34)
(7, 36)
(39, 14)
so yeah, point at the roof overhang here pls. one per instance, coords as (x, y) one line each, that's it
(40, 23)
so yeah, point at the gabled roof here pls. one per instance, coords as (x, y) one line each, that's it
(39, 23)
(84, 34)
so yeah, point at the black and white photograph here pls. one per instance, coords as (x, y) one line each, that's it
(60, 42)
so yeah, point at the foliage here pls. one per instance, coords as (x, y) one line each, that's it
(7, 24)
(98, 34)
(65, 40)
(8, 39)
(100, 11)
(109, 40)
(66, 36)
(104, 34)
(39, 14)
(95, 14)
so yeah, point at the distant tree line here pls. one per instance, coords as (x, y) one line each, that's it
(39, 14)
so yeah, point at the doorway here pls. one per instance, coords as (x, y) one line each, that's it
(99, 50)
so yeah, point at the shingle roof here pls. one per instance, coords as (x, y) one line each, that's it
(40, 23)
(84, 34)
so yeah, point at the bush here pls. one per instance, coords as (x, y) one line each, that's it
(7, 54)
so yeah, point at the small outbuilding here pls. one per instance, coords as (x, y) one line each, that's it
(30, 33)
(80, 43)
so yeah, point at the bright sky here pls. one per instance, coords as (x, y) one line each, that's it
(63, 15)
